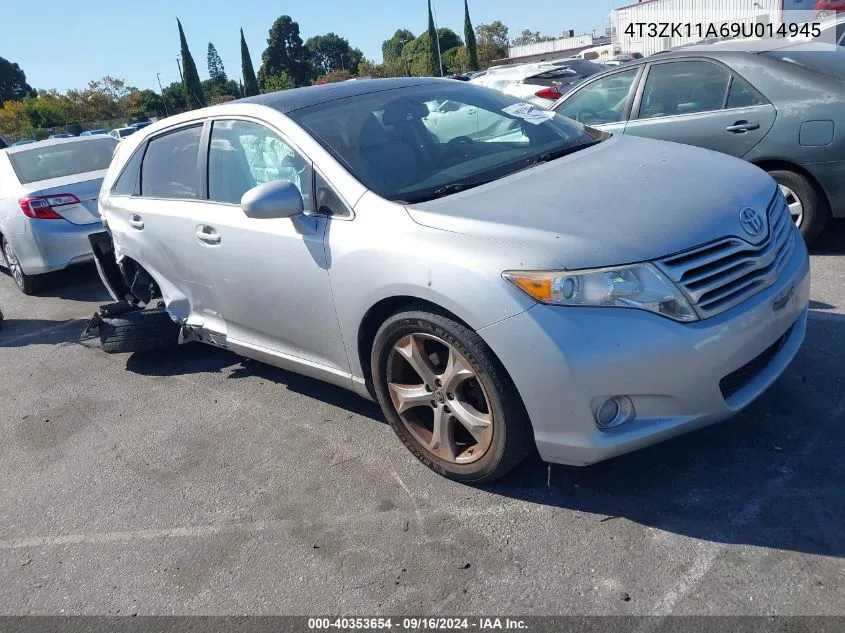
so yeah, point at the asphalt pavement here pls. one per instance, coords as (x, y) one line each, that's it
(196, 482)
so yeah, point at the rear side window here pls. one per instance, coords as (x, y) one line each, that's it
(684, 88)
(742, 95)
(65, 159)
(170, 166)
(127, 182)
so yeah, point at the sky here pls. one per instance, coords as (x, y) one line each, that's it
(135, 42)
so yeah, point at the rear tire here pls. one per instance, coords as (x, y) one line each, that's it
(27, 284)
(813, 208)
(139, 331)
(482, 387)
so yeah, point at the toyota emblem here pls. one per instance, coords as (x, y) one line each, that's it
(752, 222)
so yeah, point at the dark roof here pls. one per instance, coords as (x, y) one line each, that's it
(297, 98)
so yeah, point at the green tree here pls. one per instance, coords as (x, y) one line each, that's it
(528, 36)
(190, 77)
(250, 87)
(492, 42)
(391, 49)
(282, 81)
(331, 52)
(48, 109)
(284, 54)
(212, 90)
(174, 97)
(416, 55)
(434, 67)
(13, 84)
(469, 36)
(334, 76)
(215, 66)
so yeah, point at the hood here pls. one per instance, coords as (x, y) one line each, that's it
(623, 201)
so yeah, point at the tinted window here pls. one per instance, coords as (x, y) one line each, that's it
(742, 95)
(395, 143)
(170, 165)
(244, 155)
(127, 182)
(683, 88)
(602, 101)
(66, 159)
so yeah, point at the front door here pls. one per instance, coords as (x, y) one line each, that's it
(701, 103)
(271, 281)
(602, 103)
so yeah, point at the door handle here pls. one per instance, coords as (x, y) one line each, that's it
(136, 222)
(208, 235)
(741, 127)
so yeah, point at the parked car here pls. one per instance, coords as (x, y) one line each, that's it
(95, 133)
(490, 291)
(827, 8)
(3, 143)
(25, 141)
(780, 109)
(540, 83)
(48, 205)
(139, 124)
(122, 132)
(60, 135)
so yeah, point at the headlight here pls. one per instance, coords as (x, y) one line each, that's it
(640, 286)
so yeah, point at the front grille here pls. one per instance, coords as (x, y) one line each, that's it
(736, 381)
(723, 274)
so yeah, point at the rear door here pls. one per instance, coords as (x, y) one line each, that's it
(604, 102)
(701, 103)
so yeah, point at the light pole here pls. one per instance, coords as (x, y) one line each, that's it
(163, 100)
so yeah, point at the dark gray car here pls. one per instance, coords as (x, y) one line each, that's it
(780, 108)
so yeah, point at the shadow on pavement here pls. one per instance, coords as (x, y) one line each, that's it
(772, 477)
(23, 332)
(77, 283)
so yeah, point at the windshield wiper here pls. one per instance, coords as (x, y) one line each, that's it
(457, 187)
(563, 151)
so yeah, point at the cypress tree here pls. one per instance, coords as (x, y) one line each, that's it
(250, 88)
(433, 57)
(190, 77)
(469, 38)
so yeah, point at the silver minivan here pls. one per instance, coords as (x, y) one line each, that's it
(525, 281)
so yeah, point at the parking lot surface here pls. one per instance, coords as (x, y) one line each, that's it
(196, 482)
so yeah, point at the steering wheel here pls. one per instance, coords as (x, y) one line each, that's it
(587, 116)
(453, 150)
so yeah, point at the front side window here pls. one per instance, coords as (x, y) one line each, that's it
(244, 155)
(59, 161)
(602, 101)
(170, 167)
(684, 88)
(422, 142)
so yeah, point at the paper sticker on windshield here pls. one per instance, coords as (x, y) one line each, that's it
(528, 113)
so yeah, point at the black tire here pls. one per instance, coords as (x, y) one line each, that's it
(140, 331)
(512, 436)
(27, 284)
(816, 212)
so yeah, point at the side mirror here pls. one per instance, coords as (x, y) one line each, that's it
(272, 200)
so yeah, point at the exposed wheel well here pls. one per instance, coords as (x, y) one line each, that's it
(377, 315)
(770, 164)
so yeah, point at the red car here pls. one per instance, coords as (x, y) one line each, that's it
(829, 7)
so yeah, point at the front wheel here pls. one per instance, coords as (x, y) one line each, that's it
(447, 397)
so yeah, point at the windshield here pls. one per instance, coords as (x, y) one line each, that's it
(831, 63)
(58, 161)
(412, 144)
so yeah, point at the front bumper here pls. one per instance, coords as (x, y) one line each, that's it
(565, 360)
(48, 245)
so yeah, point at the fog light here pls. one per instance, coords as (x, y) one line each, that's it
(607, 412)
(611, 412)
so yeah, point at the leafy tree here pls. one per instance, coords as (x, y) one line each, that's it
(417, 54)
(282, 81)
(13, 84)
(469, 36)
(174, 97)
(456, 60)
(391, 49)
(190, 77)
(434, 67)
(212, 90)
(331, 52)
(220, 99)
(48, 109)
(140, 103)
(492, 41)
(334, 76)
(215, 66)
(393, 68)
(530, 37)
(14, 121)
(284, 54)
(250, 87)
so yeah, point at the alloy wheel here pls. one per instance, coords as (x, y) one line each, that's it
(13, 264)
(796, 209)
(439, 398)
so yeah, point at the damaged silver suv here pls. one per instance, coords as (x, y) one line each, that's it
(495, 275)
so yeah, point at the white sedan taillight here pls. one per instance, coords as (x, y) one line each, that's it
(43, 207)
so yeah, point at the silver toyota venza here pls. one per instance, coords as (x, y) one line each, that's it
(495, 275)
